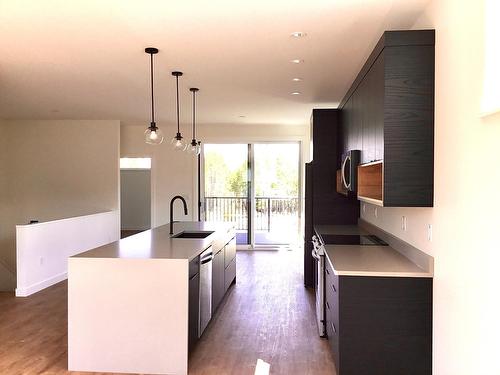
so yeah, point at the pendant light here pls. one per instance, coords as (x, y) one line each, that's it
(195, 146)
(177, 142)
(153, 134)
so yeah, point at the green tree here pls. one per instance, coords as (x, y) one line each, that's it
(237, 181)
(216, 173)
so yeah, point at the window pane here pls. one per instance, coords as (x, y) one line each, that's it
(135, 163)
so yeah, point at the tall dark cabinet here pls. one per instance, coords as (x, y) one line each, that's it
(322, 204)
(388, 114)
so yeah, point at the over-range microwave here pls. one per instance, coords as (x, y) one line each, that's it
(347, 176)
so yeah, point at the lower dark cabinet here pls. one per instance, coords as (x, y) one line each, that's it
(222, 276)
(379, 325)
(223, 272)
(229, 274)
(229, 252)
(217, 279)
(194, 310)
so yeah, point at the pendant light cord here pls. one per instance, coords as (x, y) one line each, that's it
(194, 114)
(152, 92)
(177, 83)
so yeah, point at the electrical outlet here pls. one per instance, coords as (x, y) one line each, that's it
(429, 232)
(403, 223)
(41, 260)
(376, 211)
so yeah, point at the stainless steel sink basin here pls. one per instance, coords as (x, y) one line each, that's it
(193, 234)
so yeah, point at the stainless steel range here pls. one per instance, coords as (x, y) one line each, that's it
(318, 253)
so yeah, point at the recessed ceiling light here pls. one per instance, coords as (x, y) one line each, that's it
(296, 79)
(295, 93)
(297, 61)
(298, 34)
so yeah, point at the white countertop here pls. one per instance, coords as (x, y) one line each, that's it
(363, 260)
(157, 243)
(356, 260)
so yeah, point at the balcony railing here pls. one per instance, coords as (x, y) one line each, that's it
(271, 213)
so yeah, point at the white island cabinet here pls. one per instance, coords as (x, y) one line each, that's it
(128, 301)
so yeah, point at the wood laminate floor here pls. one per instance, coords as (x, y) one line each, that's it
(267, 315)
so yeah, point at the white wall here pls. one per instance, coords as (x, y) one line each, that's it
(43, 249)
(56, 169)
(7, 276)
(135, 197)
(465, 220)
(174, 172)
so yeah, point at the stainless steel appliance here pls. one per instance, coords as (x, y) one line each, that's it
(318, 253)
(205, 289)
(349, 170)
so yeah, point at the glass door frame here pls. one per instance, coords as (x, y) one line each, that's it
(251, 199)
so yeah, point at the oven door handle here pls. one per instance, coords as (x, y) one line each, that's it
(315, 255)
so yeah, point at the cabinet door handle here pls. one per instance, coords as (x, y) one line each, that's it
(328, 272)
(327, 305)
(344, 180)
(333, 288)
(333, 327)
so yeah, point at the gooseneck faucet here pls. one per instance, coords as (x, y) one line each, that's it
(172, 211)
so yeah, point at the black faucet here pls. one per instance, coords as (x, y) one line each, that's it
(172, 211)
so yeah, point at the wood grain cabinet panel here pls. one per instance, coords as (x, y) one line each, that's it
(380, 325)
(229, 252)
(229, 263)
(323, 205)
(392, 102)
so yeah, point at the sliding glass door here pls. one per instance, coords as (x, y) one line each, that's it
(254, 186)
(226, 186)
(276, 208)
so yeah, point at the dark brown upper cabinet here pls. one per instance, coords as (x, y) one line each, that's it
(388, 114)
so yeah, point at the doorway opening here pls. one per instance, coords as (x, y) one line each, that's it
(256, 187)
(135, 195)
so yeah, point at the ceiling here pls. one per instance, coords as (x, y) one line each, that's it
(85, 59)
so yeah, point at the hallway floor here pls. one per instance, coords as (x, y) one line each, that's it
(267, 315)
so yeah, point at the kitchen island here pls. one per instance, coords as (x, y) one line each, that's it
(128, 301)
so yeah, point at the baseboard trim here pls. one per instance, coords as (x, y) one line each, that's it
(31, 289)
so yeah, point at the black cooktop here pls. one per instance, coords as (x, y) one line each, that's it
(352, 239)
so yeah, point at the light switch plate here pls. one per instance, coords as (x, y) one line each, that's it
(429, 232)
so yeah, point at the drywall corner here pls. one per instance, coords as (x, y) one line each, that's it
(7, 278)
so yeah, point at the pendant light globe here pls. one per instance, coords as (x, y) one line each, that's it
(194, 147)
(152, 135)
(177, 142)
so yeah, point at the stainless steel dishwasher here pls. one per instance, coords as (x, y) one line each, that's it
(205, 288)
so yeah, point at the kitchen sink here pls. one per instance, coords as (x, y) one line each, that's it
(193, 234)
